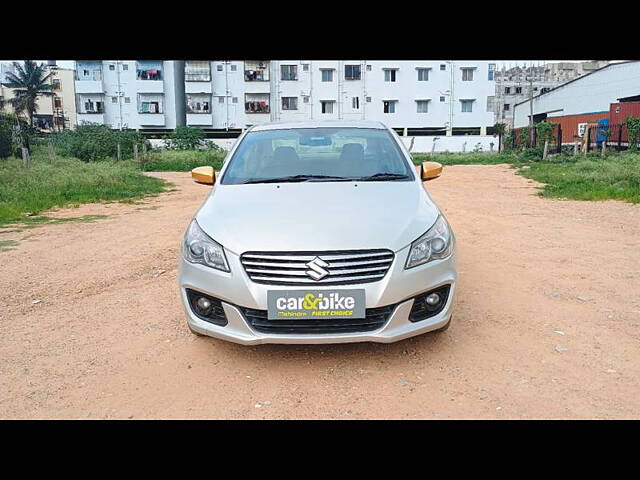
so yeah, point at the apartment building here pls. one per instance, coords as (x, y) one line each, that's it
(414, 97)
(146, 95)
(54, 113)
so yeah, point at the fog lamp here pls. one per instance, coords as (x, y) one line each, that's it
(203, 305)
(433, 299)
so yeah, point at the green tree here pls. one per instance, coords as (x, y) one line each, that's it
(28, 83)
(6, 135)
(186, 138)
(633, 129)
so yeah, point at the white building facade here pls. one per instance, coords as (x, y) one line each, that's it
(445, 98)
(431, 97)
(142, 95)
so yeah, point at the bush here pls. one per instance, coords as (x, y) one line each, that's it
(186, 138)
(533, 153)
(92, 142)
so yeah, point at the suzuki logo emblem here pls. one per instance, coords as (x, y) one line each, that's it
(316, 270)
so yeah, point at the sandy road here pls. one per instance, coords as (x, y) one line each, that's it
(547, 322)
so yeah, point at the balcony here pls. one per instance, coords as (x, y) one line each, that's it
(149, 76)
(256, 71)
(199, 119)
(256, 103)
(197, 71)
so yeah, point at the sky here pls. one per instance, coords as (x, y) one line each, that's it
(499, 63)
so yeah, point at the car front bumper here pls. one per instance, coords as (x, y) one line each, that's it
(398, 287)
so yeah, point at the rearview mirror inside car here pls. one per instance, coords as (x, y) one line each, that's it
(430, 170)
(204, 175)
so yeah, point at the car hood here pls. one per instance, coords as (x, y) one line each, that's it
(317, 216)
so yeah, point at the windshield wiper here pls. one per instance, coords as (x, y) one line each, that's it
(383, 176)
(296, 178)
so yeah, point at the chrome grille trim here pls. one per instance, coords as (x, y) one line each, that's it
(345, 267)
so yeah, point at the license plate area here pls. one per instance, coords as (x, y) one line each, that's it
(309, 304)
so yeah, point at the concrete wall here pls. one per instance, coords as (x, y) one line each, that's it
(420, 144)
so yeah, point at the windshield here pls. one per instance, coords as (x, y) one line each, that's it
(317, 154)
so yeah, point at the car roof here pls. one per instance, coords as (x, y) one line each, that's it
(318, 124)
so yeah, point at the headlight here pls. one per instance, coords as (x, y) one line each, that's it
(433, 245)
(199, 248)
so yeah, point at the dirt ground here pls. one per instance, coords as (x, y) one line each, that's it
(547, 320)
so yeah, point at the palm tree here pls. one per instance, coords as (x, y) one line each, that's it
(28, 83)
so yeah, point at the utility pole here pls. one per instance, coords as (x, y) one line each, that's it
(531, 109)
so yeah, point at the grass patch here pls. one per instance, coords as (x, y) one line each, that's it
(615, 177)
(6, 244)
(182, 160)
(576, 177)
(25, 192)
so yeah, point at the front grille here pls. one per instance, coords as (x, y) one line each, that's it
(374, 319)
(342, 267)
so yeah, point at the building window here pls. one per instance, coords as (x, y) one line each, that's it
(389, 106)
(305, 99)
(112, 67)
(467, 105)
(467, 74)
(305, 67)
(368, 68)
(234, 99)
(368, 99)
(127, 99)
(90, 103)
(125, 66)
(442, 99)
(443, 66)
(423, 74)
(256, 71)
(492, 70)
(234, 68)
(352, 72)
(256, 103)
(89, 70)
(422, 106)
(219, 68)
(327, 106)
(57, 102)
(197, 71)
(289, 72)
(289, 103)
(390, 75)
(355, 103)
(507, 90)
(149, 70)
(198, 103)
(327, 74)
(220, 99)
(114, 99)
(56, 83)
(150, 103)
(518, 90)
(506, 107)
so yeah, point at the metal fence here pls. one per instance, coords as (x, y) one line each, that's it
(555, 141)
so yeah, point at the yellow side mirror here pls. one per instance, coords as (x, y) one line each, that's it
(204, 175)
(430, 170)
